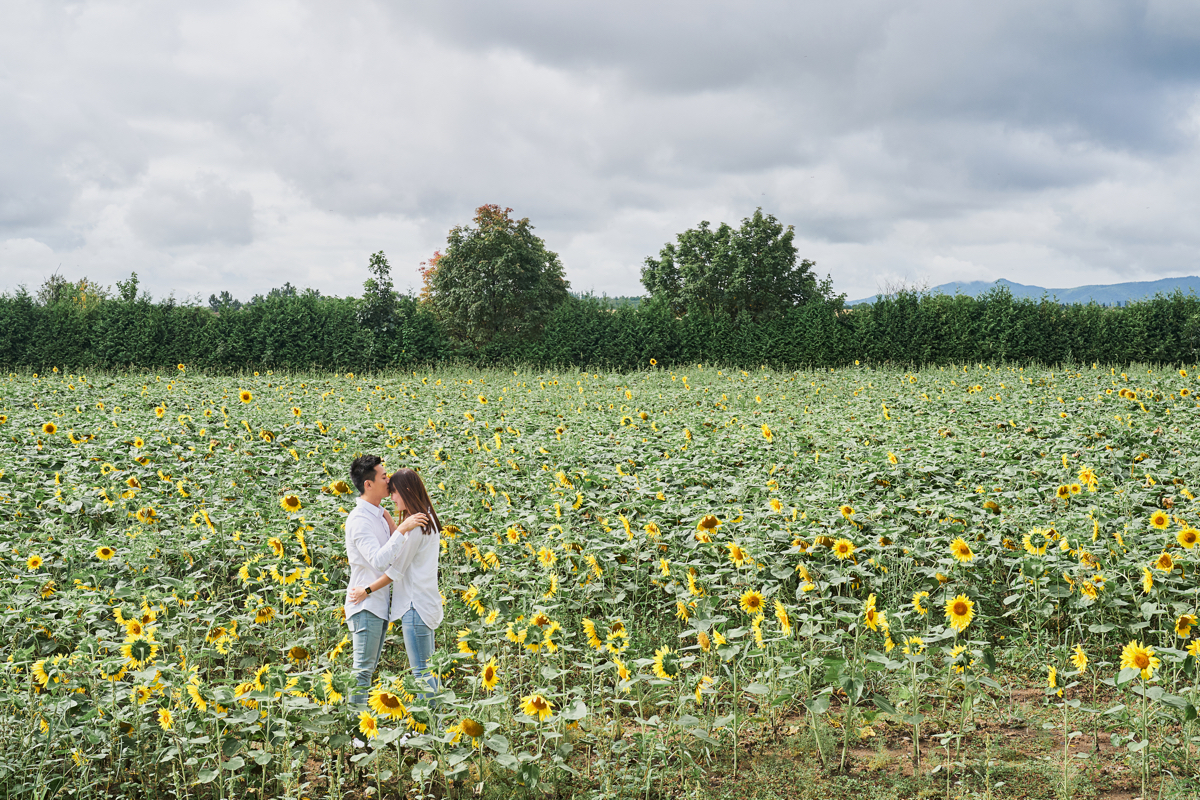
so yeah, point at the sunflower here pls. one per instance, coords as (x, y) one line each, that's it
(1160, 520)
(870, 613)
(339, 487)
(159, 411)
(535, 705)
(1079, 658)
(466, 727)
(49, 428)
(589, 628)
(702, 684)
(752, 602)
(737, 555)
(367, 725)
(546, 557)
(386, 704)
(666, 664)
(39, 672)
(296, 411)
(1183, 625)
(959, 612)
(197, 698)
(1164, 563)
(165, 721)
(1063, 492)
(33, 562)
(276, 545)
(916, 602)
(1035, 542)
(264, 614)
(843, 548)
(775, 505)
(133, 483)
(298, 654)
(847, 511)
(704, 641)
(1135, 655)
(146, 515)
(961, 550)
(766, 432)
(623, 671)
(785, 622)
(1088, 590)
(1188, 537)
(490, 675)
(708, 524)
(290, 503)
(294, 600)
(245, 396)
(139, 652)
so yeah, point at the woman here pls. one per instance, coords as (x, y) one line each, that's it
(416, 601)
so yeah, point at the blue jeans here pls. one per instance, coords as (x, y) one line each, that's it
(366, 637)
(418, 642)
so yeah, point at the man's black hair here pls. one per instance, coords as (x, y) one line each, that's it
(363, 469)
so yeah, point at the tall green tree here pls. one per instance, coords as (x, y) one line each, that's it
(495, 280)
(749, 271)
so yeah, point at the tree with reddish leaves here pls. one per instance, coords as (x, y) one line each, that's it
(495, 280)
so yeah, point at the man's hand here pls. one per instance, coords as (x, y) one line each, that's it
(357, 594)
(414, 521)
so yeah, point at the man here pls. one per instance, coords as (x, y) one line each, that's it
(368, 544)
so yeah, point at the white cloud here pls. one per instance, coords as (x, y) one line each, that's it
(227, 146)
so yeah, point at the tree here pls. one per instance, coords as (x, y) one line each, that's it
(496, 279)
(224, 302)
(749, 271)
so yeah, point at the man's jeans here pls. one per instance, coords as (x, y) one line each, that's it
(366, 637)
(418, 641)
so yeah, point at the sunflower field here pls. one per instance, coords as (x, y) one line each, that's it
(641, 572)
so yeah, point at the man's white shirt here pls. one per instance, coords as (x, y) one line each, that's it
(409, 560)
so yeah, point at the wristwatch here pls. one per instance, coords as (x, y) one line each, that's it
(368, 590)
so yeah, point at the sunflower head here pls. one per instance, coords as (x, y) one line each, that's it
(49, 428)
(490, 675)
(1164, 563)
(1188, 537)
(33, 562)
(1063, 492)
(752, 602)
(708, 523)
(245, 396)
(843, 548)
(290, 503)
(1160, 520)
(959, 612)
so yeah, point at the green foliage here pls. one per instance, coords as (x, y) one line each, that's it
(291, 329)
(496, 281)
(750, 271)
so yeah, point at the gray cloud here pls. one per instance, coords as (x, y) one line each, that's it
(232, 147)
(205, 211)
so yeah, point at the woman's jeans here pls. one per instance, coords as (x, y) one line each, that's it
(418, 641)
(366, 637)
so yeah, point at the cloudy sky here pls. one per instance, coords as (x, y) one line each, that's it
(235, 146)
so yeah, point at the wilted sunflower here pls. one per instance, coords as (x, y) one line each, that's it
(1135, 655)
(752, 602)
(535, 705)
(1160, 520)
(961, 550)
(843, 548)
(959, 612)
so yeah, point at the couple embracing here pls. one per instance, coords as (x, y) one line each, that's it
(393, 571)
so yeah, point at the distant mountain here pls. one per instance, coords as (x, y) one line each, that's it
(1110, 295)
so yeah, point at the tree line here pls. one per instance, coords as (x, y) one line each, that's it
(497, 296)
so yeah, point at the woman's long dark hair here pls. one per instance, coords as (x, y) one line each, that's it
(407, 483)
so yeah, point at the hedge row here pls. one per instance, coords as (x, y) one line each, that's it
(307, 331)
